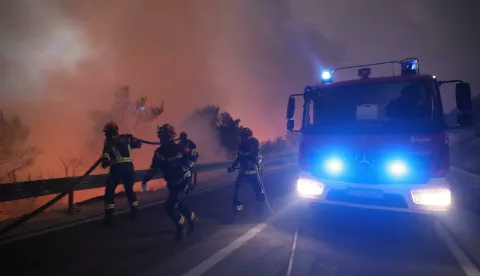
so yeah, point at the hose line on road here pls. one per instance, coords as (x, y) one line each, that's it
(36, 212)
(263, 189)
(260, 176)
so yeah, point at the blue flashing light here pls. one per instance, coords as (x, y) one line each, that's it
(327, 76)
(410, 67)
(398, 168)
(334, 165)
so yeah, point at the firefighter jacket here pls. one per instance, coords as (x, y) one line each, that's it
(248, 156)
(117, 149)
(189, 144)
(173, 159)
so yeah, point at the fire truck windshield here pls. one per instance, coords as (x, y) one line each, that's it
(378, 107)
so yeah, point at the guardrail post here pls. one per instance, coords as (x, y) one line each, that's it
(71, 206)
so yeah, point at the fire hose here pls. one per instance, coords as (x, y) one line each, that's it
(147, 142)
(260, 176)
(70, 184)
(150, 143)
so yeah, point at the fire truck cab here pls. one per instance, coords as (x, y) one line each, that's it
(377, 142)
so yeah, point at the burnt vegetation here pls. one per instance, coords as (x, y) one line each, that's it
(219, 127)
(15, 155)
(130, 114)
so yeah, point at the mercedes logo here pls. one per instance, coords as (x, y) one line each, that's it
(364, 161)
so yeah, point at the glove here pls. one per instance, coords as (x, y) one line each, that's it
(105, 163)
(144, 186)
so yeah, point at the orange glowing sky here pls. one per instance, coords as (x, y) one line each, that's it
(61, 59)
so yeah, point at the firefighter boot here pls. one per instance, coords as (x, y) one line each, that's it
(181, 231)
(109, 218)
(191, 224)
(237, 211)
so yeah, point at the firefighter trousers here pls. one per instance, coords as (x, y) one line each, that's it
(176, 198)
(254, 180)
(121, 173)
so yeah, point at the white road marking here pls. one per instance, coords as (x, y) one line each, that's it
(223, 253)
(468, 267)
(292, 254)
(207, 264)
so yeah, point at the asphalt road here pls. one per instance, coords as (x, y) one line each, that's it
(296, 240)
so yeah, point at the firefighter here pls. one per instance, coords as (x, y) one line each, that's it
(173, 159)
(117, 156)
(187, 142)
(189, 145)
(250, 161)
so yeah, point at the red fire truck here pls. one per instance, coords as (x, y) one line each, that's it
(377, 142)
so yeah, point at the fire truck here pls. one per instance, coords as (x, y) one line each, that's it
(377, 142)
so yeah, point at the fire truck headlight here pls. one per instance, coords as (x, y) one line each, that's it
(432, 197)
(309, 188)
(334, 165)
(398, 168)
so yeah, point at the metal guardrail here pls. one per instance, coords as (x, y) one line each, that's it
(30, 189)
(68, 186)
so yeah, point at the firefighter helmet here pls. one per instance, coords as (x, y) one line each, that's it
(110, 127)
(246, 132)
(166, 130)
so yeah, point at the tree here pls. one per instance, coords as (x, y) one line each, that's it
(14, 154)
(210, 115)
(70, 166)
(229, 132)
(219, 132)
(287, 143)
(131, 115)
(214, 130)
(271, 147)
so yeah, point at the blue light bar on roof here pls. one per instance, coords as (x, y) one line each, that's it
(410, 67)
(327, 76)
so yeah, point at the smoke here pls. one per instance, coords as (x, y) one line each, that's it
(62, 59)
(202, 128)
(36, 40)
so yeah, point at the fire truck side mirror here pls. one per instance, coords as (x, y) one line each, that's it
(463, 97)
(290, 108)
(290, 124)
(464, 120)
